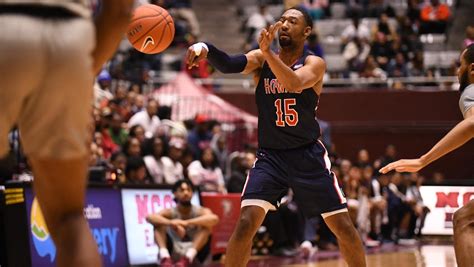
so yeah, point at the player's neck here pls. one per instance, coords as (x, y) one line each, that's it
(290, 54)
(184, 209)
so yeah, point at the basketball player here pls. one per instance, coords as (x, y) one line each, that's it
(48, 57)
(460, 134)
(289, 156)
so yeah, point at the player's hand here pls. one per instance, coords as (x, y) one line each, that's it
(404, 165)
(180, 231)
(182, 223)
(267, 36)
(195, 53)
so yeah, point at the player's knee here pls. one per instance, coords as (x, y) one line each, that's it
(205, 231)
(65, 221)
(344, 229)
(245, 228)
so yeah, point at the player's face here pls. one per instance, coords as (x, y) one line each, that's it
(294, 29)
(463, 73)
(184, 194)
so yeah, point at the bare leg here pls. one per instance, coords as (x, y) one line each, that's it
(201, 238)
(464, 235)
(240, 244)
(160, 236)
(348, 238)
(60, 186)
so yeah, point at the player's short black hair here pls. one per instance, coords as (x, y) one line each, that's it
(178, 184)
(307, 17)
(469, 54)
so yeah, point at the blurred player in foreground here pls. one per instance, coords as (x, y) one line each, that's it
(50, 51)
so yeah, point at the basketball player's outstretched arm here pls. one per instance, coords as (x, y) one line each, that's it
(242, 63)
(294, 81)
(459, 135)
(109, 28)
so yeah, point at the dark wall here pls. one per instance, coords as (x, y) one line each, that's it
(372, 119)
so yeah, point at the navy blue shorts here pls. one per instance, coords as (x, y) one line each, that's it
(305, 170)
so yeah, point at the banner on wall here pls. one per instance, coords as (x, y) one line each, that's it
(137, 205)
(443, 201)
(227, 208)
(104, 214)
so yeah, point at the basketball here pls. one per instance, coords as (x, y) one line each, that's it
(151, 29)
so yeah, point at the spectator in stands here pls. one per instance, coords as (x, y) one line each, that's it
(397, 67)
(137, 88)
(400, 208)
(314, 46)
(139, 104)
(219, 146)
(182, 232)
(102, 137)
(239, 174)
(147, 118)
(200, 137)
(154, 149)
(183, 9)
(96, 155)
(407, 41)
(255, 23)
(119, 164)
(384, 27)
(434, 17)
(316, 8)
(351, 190)
(356, 29)
(104, 80)
(469, 36)
(363, 158)
(403, 48)
(414, 11)
(382, 50)
(420, 210)
(416, 65)
(137, 131)
(345, 168)
(389, 156)
(132, 147)
(371, 69)
(356, 53)
(206, 174)
(118, 134)
(136, 171)
(172, 167)
(377, 203)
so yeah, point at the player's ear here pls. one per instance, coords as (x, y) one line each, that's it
(471, 71)
(307, 32)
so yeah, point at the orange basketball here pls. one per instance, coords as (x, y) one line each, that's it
(151, 29)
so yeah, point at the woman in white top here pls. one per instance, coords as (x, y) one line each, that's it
(206, 174)
(154, 165)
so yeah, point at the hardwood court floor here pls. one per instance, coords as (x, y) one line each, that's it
(424, 256)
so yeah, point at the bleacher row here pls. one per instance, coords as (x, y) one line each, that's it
(436, 56)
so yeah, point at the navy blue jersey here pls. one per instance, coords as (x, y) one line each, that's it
(285, 120)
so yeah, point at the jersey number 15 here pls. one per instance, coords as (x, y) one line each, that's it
(290, 116)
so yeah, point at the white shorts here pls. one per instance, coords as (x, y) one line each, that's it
(46, 84)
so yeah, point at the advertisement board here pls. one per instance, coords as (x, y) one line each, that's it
(227, 208)
(104, 213)
(443, 201)
(137, 205)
